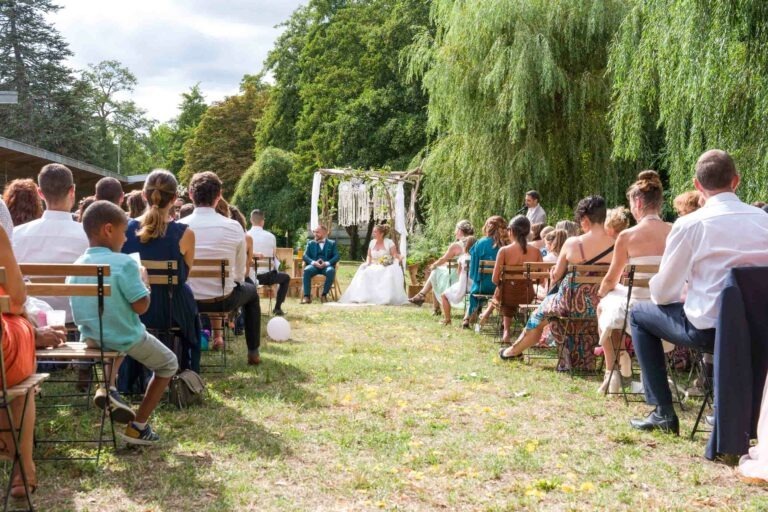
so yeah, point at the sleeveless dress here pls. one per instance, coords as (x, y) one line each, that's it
(613, 307)
(376, 283)
(18, 347)
(182, 309)
(458, 290)
(443, 278)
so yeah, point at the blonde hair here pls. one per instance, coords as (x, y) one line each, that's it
(468, 242)
(160, 191)
(557, 238)
(382, 228)
(617, 219)
(687, 202)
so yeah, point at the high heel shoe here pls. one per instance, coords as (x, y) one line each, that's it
(417, 299)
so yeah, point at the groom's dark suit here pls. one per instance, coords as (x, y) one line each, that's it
(329, 253)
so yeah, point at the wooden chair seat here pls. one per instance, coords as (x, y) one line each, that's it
(22, 388)
(74, 350)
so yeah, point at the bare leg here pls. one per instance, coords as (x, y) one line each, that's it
(152, 397)
(112, 372)
(26, 436)
(446, 309)
(217, 331)
(527, 339)
(487, 313)
(506, 321)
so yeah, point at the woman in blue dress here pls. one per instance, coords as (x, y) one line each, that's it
(495, 231)
(156, 237)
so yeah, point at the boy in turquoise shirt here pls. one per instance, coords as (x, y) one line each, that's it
(104, 224)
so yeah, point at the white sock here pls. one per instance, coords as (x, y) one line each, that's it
(140, 426)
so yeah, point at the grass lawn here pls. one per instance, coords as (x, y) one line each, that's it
(384, 409)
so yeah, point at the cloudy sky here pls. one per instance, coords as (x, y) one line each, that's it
(172, 44)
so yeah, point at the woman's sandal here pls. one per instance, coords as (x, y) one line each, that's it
(418, 299)
(218, 343)
(509, 358)
(17, 487)
(465, 323)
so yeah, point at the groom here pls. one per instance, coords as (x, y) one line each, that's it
(320, 257)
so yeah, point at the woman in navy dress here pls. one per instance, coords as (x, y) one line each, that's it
(156, 237)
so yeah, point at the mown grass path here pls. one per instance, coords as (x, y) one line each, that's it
(384, 409)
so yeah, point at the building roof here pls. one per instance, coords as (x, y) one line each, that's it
(20, 160)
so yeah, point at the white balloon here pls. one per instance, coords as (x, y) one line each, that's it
(279, 329)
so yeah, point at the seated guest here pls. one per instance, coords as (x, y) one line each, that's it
(218, 237)
(109, 189)
(541, 244)
(440, 276)
(18, 339)
(177, 204)
(454, 295)
(536, 241)
(485, 249)
(62, 239)
(84, 204)
(616, 221)
(264, 247)
(569, 226)
(155, 238)
(186, 210)
(136, 204)
(23, 200)
(554, 241)
(105, 224)
(642, 244)
(320, 258)
(236, 215)
(687, 202)
(510, 294)
(593, 247)
(701, 249)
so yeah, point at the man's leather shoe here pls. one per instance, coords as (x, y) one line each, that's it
(306, 299)
(254, 360)
(324, 299)
(656, 422)
(278, 312)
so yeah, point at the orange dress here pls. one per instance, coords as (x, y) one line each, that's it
(18, 348)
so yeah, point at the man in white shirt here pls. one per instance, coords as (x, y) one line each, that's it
(109, 189)
(218, 237)
(701, 249)
(264, 245)
(535, 213)
(55, 237)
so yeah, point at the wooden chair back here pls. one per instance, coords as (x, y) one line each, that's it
(638, 276)
(486, 266)
(588, 274)
(263, 264)
(285, 256)
(49, 280)
(162, 272)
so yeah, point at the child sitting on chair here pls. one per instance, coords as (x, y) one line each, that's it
(104, 224)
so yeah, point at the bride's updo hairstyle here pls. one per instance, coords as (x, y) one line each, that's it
(160, 191)
(383, 229)
(520, 227)
(649, 189)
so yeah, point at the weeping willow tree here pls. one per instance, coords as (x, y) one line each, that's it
(695, 72)
(518, 99)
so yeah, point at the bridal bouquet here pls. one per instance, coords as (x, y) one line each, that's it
(385, 260)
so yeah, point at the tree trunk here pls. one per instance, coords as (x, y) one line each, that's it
(369, 234)
(354, 242)
(21, 81)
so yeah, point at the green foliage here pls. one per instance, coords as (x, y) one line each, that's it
(692, 75)
(265, 186)
(518, 96)
(223, 140)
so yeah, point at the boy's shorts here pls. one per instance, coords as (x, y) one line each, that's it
(151, 353)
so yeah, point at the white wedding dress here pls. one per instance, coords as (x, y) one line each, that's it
(375, 283)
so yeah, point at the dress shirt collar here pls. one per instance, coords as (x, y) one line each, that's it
(322, 241)
(205, 210)
(57, 215)
(257, 228)
(722, 197)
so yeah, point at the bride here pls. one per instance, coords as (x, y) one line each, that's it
(380, 279)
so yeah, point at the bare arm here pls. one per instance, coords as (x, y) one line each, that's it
(559, 269)
(248, 253)
(187, 247)
(141, 306)
(618, 262)
(368, 259)
(453, 251)
(498, 267)
(394, 253)
(14, 282)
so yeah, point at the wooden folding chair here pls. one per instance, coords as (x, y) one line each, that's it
(23, 390)
(218, 269)
(47, 281)
(486, 269)
(265, 264)
(577, 335)
(528, 275)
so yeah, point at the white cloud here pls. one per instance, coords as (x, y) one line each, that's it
(172, 44)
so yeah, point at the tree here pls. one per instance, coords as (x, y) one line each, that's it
(168, 139)
(690, 76)
(518, 97)
(265, 186)
(50, 111)
(223, 140)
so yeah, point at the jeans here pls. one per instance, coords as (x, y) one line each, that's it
(246, 296)
(650, 324)
(311, 271)
(281, 279)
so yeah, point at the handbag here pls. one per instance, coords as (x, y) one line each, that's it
(556, 287)
(186, 389)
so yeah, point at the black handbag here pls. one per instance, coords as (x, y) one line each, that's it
(556, 287)
(186, 389)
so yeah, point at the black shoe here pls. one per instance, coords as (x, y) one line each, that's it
(518, 357)
(278, 312)
(324, 299)
(656, 422)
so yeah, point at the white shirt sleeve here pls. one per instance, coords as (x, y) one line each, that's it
(5, 220)
(241, 253)
(667, 286)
